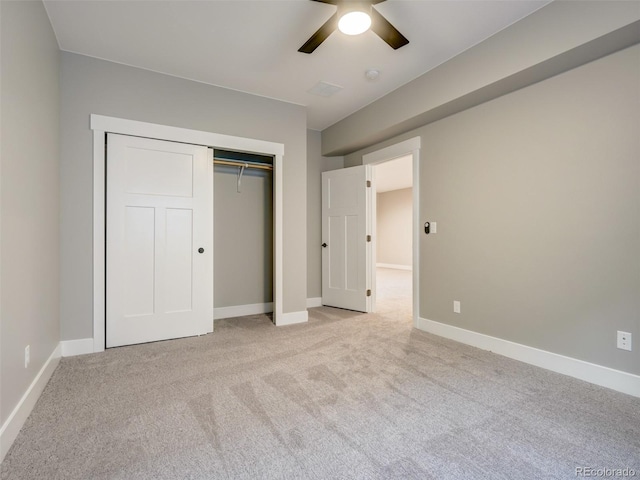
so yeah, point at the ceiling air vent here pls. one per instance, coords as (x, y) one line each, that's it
(324, 89)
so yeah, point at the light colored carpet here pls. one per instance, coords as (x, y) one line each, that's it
(345, 396)
(394, 293)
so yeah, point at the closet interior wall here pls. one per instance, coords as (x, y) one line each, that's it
(243, 237)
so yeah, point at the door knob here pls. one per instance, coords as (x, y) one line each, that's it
(201, 250)
(324, 245)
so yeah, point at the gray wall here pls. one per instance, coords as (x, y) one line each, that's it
(29, 197)
(394, 212)
(95, 86)
(537, 199)
(560, 36)
(316, 164)
(243, 237)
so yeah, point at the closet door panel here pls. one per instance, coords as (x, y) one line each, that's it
(159, 240)
(139, 264)
(179, 278)
(157, 172)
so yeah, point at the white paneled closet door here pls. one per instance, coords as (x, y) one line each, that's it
(159, 240)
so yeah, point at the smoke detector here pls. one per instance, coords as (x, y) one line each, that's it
(372, 74)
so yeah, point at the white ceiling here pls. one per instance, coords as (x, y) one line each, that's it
(251, 45)
(394, 175)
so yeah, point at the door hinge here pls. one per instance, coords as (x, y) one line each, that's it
(368, 293)
(368, 238)
(368, 183)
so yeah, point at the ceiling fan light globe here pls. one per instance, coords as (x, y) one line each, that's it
(354, 23)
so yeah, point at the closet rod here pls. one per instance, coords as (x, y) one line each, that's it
(235, 163)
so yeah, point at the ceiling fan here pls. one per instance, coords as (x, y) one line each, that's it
(353, 18)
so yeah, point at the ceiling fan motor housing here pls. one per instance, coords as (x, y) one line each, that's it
(348, 7)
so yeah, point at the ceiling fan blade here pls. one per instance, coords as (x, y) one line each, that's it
(337, 2)
(386, 31)
(321, 35)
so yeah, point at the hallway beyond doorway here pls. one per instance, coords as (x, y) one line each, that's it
(393, 293)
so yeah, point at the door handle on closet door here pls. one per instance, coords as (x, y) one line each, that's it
(201, 250)
(324, 245)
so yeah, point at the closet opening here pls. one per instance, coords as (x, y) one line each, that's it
(243, 233)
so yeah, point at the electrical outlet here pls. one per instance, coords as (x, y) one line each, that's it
(434, 227)
(27, 355)
(624, 340)
(456, 306)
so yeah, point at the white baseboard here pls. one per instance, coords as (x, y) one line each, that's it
(242, 310)
(394, 266)
(314, 302)
(19, 415)
(590, 372)
(292, 318)
(71, 348)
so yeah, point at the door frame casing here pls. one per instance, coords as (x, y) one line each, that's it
(401, 149)
(100, 125)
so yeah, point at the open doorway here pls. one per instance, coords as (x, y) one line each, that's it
(394, 237)
(393, 286)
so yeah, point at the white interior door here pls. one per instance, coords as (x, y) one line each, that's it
(159, 240)
(346, 252)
